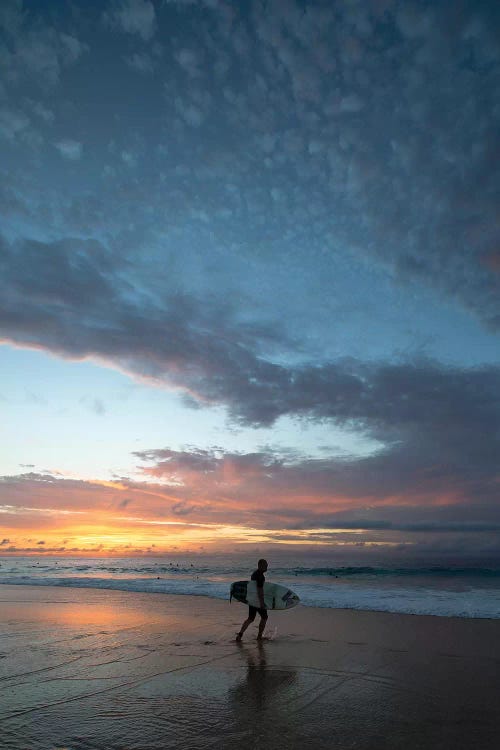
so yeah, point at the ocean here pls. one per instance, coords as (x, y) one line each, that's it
(457, 590)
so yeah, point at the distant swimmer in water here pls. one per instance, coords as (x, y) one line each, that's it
(259, 577)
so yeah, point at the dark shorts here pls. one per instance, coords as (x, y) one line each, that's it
(252, 611)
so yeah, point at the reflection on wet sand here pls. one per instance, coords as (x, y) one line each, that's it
(75, 613)
(136, 672)
(263, 696)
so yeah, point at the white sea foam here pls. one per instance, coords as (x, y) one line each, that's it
(466, 601)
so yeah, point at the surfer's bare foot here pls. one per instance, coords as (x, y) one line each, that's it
(239, 637)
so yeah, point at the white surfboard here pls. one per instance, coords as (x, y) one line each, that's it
(275, 595)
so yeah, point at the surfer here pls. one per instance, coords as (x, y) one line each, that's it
(259, 577)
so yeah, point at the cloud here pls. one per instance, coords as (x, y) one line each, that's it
(292, 138)
(185, 509)
(95, 405)
(228, 498)
(11, 15)
(140, 62)
(129, 158)
(73, 48)
(203, 350)
(190, 113)
(17, 550)
(133, 17)
(351, 103)
(41, 111)
(70, 149)
(190, 61)
(413, 21)
(427, 461)
(36, 51)
(99, 407)
(75, 275)
(4, 541)
(389, 172)
(299, 105)
(13, 123)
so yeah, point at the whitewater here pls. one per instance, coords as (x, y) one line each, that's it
(441, 590)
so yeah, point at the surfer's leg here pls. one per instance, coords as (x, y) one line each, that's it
(251, 617)
(262, 623)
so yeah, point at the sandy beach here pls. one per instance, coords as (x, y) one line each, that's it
(85, 668)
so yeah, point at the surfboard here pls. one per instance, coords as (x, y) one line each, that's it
(275, 595)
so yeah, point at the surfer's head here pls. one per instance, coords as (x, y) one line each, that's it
(262, 565)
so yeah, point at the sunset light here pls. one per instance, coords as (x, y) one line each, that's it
(249, 289)
(249, 374)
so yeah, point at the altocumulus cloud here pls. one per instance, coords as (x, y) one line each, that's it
(69, 149)
(279, 130)
(132, 16)
(317, 123)
(33, 49)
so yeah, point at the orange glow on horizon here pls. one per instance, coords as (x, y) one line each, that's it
(136, 536)
(123, 517)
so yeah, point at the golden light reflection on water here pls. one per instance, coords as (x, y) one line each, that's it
(74, 613)
(78, 615)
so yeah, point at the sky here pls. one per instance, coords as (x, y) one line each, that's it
(250, 277)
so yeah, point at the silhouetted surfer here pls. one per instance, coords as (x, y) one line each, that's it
(259, 577)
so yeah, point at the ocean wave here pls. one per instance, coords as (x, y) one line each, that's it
(416, 601)
(435, 570)
(235, 568)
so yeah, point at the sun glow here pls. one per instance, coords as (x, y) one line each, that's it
(134, 535)
(115, 517)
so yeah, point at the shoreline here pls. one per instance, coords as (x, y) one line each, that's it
(107, 669)
(120, 586)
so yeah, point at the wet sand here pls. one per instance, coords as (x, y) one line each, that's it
(109, 670)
